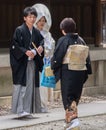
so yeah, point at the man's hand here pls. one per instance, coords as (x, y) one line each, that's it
(30, 54)
(40, 49)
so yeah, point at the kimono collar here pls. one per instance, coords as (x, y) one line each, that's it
(72, 35)
(27, 29)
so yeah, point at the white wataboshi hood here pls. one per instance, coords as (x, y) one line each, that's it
(42, 10)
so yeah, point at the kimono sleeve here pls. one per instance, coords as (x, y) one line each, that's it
(59, 53)
(88, 65)
(16, 47)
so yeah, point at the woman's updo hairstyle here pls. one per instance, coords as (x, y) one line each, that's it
(68, 25)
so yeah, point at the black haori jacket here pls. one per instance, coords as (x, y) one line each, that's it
(21, 42)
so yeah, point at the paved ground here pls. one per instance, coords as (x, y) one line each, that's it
(54, 120)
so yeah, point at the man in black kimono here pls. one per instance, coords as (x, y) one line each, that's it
(26, 62)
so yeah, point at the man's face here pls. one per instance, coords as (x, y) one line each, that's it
(30, 19)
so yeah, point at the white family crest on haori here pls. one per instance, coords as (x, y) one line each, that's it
(76, 56)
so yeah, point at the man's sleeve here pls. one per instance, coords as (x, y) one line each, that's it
(16, 47)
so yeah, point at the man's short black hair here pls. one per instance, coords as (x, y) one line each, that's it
(29, 10)
(68, 25)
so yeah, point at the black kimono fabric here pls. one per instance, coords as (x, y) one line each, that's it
(21, 42)
(71, 81)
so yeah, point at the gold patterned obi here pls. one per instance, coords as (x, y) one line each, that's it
(76, 56)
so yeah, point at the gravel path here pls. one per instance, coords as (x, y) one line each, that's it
(57, 104)
(87, 123)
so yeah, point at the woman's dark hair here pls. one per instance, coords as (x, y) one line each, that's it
(29, 10)
(68, 25)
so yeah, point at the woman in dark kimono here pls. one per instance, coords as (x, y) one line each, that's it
(26, 62)
(71, 80)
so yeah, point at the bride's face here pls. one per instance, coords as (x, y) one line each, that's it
(41, 23)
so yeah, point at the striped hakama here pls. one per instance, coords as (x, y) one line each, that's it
(27, 98)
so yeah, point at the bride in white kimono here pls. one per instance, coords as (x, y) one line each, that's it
(43, 24)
